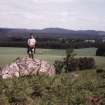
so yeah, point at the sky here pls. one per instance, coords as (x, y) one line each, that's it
(39, 14)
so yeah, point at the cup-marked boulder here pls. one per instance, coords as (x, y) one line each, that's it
(27, 66)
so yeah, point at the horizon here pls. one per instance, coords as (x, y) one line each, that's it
(39, 14)
(49, 28)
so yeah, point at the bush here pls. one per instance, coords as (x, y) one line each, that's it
(101, 73)
(100, 52)
(71, 64)
(59, 66)
(86, 63)
(74, 64)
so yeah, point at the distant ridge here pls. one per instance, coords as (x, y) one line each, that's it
(56, 30)
(52, 32)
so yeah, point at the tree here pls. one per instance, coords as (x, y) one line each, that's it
(100, 51)
(69, 60)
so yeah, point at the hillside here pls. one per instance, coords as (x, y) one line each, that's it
(8, 33)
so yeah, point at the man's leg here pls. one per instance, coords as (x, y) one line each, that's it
(34, 49)
(32, 53)
(29, 52)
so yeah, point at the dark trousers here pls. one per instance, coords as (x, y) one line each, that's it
(31, 51)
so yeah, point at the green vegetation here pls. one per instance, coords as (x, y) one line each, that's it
(7, 54)
(63, 89)
(100, 51)
(59, 90)
(71, 63)
(76, 88)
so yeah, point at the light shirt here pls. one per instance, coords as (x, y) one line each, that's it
(31, 42)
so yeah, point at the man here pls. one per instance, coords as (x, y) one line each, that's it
(31, 46)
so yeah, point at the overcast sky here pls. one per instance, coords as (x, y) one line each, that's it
(38, 14)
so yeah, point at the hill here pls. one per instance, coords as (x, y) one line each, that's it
(8, 33)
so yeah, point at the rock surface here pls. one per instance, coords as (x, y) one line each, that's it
(27, 66)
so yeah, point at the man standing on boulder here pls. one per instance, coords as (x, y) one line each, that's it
(31, 46)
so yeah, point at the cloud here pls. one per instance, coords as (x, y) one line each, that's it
(75, 14)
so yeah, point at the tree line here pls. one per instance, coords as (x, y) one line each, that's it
(53, 43)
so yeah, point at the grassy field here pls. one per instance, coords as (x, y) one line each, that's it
(8, 54)
(62, 89)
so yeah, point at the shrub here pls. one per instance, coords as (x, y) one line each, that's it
(70, 63)
(100, 52)
(74, 64)
(86, 63)
(59, 66)
(101, 73)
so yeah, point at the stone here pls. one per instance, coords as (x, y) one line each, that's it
(27, 66)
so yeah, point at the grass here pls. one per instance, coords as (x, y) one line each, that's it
(63, 89)
(57, 90)
(7, 55)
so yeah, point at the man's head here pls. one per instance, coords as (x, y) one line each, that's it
(31, 35)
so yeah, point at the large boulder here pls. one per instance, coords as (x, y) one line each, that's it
(27, 66)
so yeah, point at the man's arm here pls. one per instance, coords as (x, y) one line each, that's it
(35, 41)
(28, 42)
